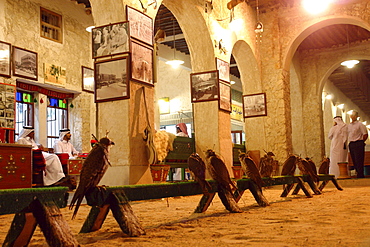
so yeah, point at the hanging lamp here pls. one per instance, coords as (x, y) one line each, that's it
(175, 63)
(349, 63)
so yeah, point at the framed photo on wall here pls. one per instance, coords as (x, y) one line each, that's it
(24, 63)
(88, 82)
(7, 106)
(223, 69)
(204, 86)
(111, 79)
(225, 97)
(141, 63)
(109, 40)
(254, 105)
(141, 25)
(5, 59)
(54, 74)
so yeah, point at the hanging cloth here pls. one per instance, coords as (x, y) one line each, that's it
(149, 137)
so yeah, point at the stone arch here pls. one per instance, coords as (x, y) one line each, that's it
(312, 83)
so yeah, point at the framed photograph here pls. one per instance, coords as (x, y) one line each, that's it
(204, 86)
(24, 63)
(55, 74)
(111, 79)
(254, 105)
(109, 40)
(5, 59)
(225, 97)
(141, 25)
(142, 63)
(223, 69)
(7, 106)
(88, 82)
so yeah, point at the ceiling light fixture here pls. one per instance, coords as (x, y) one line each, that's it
(316, 6)
(175, 63)
(89, 29)
(349, 63)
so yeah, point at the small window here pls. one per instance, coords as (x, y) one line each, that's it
(57, 118)
(24, 111)
(51, 25)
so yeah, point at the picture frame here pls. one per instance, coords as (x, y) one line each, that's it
(7, 106)
(141, 25)
(5, 65)
(223, 68)
(142, 63)
(25, 63)
(254, 105)
(225, 97)
(110, 40)
(55, 74)
(88, 82)
(112, 79)
(204, 86)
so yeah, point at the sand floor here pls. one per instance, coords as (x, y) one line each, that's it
(335, 218)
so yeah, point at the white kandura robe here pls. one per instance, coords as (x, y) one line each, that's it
(65, 147)
(53, 169)
(338, 135)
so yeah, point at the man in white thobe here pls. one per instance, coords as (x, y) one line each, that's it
(53, 169)
(63, 145)
(338, 135)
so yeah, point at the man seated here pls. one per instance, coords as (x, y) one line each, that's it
(63, 145)
(53, 174)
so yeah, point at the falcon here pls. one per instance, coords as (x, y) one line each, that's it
(306, 169)
(290, 165)
(324, 166)
(266, 165)
(250, 169)
(312, 164)
(218, 171)
(197, 169)
(93, 169)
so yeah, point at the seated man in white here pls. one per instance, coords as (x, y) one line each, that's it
(63, 145)
(53, 170)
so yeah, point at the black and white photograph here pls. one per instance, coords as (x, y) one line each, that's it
(5, 59)
(141, 25)
(7, 105)
(225, 97)
(223, 70)
(24, 63)
(111, 82)
(254, 105)
(204, 86)
(110, 39)
(88, 82)
(142, 63)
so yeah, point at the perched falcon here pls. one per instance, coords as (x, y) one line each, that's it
(197, 168)
(93, 169)
(266, 165)
(250, 169)
(218, 170)
(290, 165)
(312, 164)
(306, 169)
(324, 166)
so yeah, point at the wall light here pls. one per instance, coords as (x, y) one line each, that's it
(349, 112)
(350, 63)
(368, 126)
(364, 123)
(164, 105)
(329, 96)
(341, 106)
(89, 29)
(316, 6)
(232, 82)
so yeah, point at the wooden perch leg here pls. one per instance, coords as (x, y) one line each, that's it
(52, 223)
(227, 198)
(313, 186)
(287, 189)
(21, 230)
(296, 189)
(258, 195)
(238, 194)
(335, 182)
(95, 219)
(204, 202)
(124, 215)
(323, 184)
(303, 187)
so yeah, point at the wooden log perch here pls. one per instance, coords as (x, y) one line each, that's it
(21, 230)
(227, 199)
